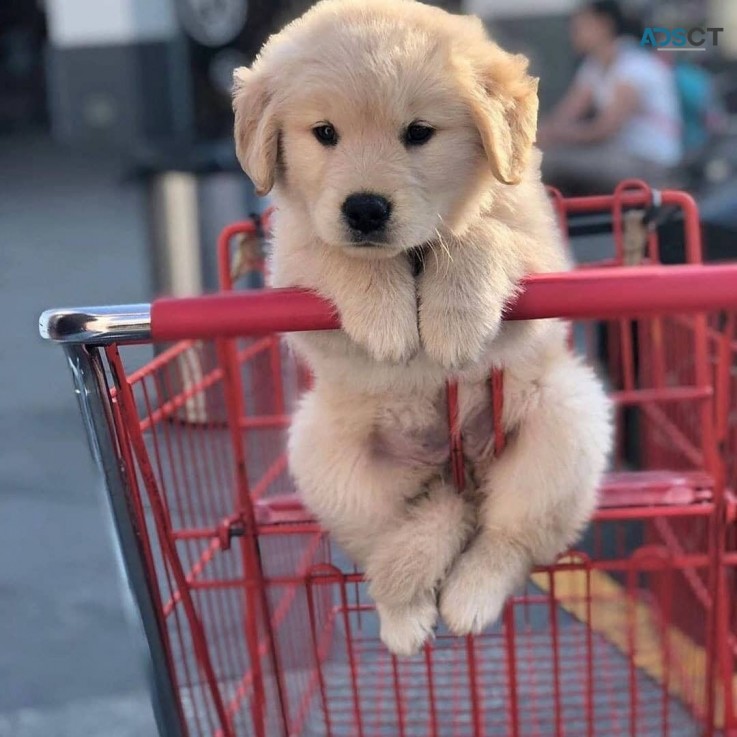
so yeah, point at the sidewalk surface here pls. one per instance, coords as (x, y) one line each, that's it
(70, 666)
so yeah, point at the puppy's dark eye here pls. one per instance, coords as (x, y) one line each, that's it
(418, 133)
(325, 134)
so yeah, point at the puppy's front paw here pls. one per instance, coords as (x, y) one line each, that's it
(391, 336)
(454, 338)
(409, 561)
(476, 589)
(404, 630)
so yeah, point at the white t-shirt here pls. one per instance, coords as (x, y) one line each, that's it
(653, 133)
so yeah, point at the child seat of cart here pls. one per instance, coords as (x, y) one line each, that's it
(633, 230)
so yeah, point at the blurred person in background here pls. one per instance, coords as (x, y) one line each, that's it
(702, 110)
(620, 117)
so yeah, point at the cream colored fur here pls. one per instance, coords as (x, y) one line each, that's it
(368, 445)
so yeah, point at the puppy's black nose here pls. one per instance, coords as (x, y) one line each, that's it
(366, 212)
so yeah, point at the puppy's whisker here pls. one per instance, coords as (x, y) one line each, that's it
(432, 249)
(437, 257)
(443, 244)
(446, 250)
(422, 258)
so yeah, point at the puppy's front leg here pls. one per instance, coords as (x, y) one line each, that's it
(406, 540)
(539, 494)
(462, 292)
(410, 558)
(377, 303)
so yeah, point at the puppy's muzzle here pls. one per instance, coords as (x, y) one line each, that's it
(366, 214)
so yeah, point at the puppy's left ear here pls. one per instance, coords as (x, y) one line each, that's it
(504, 107)
(256, 128)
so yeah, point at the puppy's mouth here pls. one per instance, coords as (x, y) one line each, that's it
(370, 240)
(378, 245)
(372, 247)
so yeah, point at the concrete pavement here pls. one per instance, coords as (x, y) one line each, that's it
(70, 665)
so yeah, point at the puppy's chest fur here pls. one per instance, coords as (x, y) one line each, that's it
(413, 431)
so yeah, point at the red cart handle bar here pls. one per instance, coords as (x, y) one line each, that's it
(586, 294)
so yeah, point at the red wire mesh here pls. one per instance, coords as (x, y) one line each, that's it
(269, 627)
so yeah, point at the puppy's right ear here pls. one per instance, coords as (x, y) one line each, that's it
(256, 129)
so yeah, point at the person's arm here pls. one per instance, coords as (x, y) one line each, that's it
(623, 105)
(575, 103)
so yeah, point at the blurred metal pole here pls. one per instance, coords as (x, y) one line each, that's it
(175, 240)
(186, 212)
(176, 258)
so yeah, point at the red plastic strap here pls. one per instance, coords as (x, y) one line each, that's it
(456, 438)
(496, 386)
(497, 403)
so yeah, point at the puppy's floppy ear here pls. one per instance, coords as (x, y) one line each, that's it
(504, 108)
(256, 128)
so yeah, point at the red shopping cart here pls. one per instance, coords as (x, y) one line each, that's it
(258, 625)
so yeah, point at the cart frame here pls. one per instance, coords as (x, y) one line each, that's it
(85, 332)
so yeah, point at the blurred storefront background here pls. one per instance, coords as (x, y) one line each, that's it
(125, 72)
(150, 79)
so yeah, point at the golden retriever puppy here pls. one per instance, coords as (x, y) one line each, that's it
(398, 141)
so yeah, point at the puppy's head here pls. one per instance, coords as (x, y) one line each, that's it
(385, 121)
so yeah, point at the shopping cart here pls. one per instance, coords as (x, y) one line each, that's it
(258, 625)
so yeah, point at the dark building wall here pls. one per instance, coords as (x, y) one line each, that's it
(114, 94)
(22, 77)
